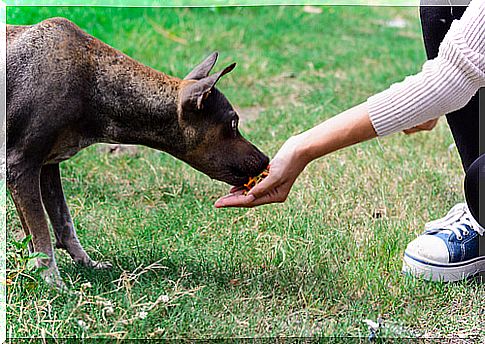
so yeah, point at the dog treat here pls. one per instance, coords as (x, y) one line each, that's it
(253, 181)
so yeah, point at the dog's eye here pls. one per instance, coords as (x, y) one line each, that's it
(234, 125)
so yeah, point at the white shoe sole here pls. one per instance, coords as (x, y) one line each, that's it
(442, 272)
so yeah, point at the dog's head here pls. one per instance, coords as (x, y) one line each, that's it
(210, 126)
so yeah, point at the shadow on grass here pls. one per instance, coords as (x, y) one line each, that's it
(216, 272)
(223, 274)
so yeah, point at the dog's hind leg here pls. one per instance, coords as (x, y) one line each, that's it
(56, 207)
(24, 185)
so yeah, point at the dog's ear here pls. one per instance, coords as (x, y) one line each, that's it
(193, 96)
(203, 69)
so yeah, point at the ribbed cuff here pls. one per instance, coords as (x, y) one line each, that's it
(394, 109)
(378, 108)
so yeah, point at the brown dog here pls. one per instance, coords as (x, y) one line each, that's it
(67, 90)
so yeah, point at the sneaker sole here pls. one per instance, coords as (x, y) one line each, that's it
(442, 272)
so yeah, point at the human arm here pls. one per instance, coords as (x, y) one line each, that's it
(445, 84)
(349, 127)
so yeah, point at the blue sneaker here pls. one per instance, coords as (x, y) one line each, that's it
(448, 249)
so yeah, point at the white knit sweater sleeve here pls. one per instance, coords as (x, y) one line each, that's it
(445, 84)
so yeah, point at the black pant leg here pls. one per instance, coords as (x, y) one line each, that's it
(474, 176)
(464, 123)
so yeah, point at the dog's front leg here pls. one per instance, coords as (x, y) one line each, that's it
(25, 190)
(56, 207)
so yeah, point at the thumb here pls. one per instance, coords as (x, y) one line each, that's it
(263, 187)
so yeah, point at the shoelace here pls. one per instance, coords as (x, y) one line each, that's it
(457, 220)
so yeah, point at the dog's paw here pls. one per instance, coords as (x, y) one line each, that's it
(51, 276)
(87, 262)
(98, 265)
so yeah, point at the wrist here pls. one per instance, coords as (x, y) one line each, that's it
(303, 148)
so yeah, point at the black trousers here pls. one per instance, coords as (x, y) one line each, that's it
(464, 123)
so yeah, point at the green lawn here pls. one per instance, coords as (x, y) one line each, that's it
(317, 265)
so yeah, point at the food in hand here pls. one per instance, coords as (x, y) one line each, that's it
(253, 181)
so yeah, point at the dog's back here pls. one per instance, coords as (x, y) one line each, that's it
(52, 46)
(13, 31)
(48, 77)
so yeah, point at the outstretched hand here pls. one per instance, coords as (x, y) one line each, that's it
(283, 171)
(348, 128)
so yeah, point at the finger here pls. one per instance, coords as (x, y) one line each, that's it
(234, 200)
(260, 189)
(430, 124)
(236, 189)
(242, 201)
(426, 126)
(416, 130)
(411, 131)
(266, 199)
(236, 193)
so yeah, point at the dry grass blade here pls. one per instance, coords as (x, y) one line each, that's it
(165, 33)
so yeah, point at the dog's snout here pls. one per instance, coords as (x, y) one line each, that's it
(264, 162)
(258, 163)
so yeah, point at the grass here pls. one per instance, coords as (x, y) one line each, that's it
(317, 265)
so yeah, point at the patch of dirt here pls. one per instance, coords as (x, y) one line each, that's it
(289, 92)
(291, 89)
(312, 9)
(118, 149)
(248, 114)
